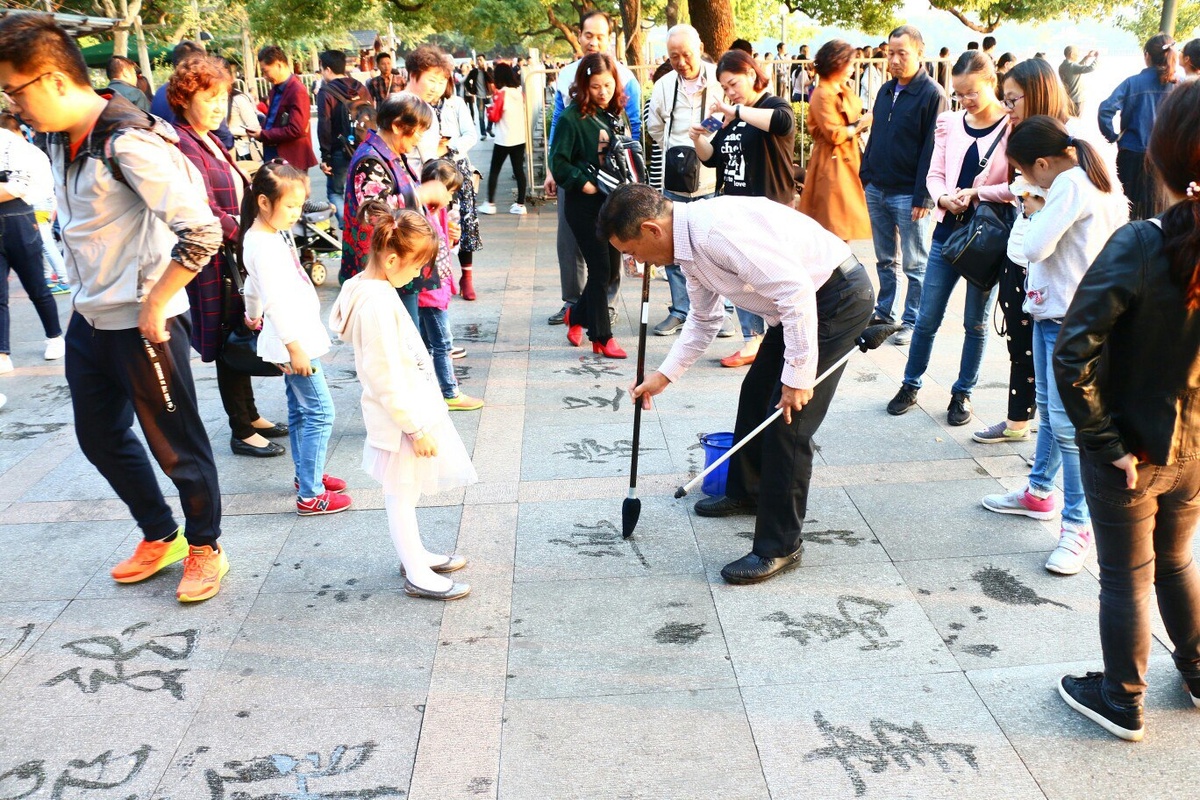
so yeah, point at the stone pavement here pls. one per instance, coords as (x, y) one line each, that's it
(913, 655)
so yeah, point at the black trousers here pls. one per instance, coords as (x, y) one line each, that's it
(237, 395)
(603, 265)
(1138, 184)
(114, 375)
(1018, 334)
(516, 155)
(774, 468)
(21, 252)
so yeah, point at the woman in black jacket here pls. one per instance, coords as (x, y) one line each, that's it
(1128, 369)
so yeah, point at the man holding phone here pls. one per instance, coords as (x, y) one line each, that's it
(677, 102)
(286, 132)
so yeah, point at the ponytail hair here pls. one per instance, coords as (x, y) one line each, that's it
(401, 231)
(271, 181)
(444, 172)
(1175, 156)
(1160, 52)
(1046, 137)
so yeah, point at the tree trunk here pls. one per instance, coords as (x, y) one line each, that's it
(565, 32)
(672, 12)
(714, 20)
(631, 19)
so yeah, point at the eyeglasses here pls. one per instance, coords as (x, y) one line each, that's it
(11, 94)
(971, 96)
(1011, 102)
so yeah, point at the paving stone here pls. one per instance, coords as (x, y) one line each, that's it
(309, 752)
(444, 767)
(671, 746)
(616, 636)
(925, 737)
(349, 647)
(46, 561)
(21, 625)
(873, 437)
(582, 539)
(1072, 757)
(107, 656)
(591, 451)
(816, 624)
(941, 519)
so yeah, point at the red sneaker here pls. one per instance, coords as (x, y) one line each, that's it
(326, 503)
(332, 484)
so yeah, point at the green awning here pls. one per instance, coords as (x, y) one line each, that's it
(97, 55)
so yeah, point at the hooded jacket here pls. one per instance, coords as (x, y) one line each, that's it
(120, 234)
(400, 392)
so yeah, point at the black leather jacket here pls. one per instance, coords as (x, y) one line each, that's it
(1127, 359)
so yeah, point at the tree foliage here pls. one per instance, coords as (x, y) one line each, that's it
(985, 16)
(1144, 23)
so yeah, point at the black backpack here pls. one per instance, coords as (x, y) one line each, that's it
(350, 119)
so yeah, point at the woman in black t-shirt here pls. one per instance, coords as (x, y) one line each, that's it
(752, 154)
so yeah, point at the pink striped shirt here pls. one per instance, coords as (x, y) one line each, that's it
(764, 257)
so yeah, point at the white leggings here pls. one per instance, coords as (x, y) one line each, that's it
(406, 536)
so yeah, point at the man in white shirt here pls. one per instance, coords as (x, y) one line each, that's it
(678, 101)
(815, 298)
(595, 35)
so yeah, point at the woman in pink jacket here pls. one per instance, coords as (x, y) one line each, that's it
(961, 174)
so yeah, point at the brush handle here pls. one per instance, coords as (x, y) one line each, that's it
(641, 376)
(687, 487)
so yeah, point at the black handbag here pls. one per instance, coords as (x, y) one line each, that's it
(681, 165)
(239, 344)
(976, 249)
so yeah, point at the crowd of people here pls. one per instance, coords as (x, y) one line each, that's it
(194, 192)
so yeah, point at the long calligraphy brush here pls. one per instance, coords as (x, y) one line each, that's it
(631, 508)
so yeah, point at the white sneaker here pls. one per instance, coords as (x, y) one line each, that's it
(55, 348)
(1074, 541)
(4, 399)
(518, 209)
(6, 364)
(487, 208)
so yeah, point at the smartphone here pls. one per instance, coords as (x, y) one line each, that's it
(711, 124)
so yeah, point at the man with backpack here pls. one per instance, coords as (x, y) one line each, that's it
(137, 229)
(341, 102)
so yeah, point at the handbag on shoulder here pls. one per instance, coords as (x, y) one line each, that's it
(239, 344)
(976, 249)
(681, 165)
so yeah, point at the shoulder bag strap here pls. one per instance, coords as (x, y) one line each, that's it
(983, 162)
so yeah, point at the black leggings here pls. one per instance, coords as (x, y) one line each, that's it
(1018, 333)
(1138, 183)
(603, 265)
(516, 154)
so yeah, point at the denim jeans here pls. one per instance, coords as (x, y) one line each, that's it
(752, 324)
(940, 279)
(310, 422)
(435, 330)
(680, 304)
(889, 214)
(335, 182)
(1056, 447)
(21, 252)
(1144, 541)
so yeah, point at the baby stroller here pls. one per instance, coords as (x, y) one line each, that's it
(314, 234)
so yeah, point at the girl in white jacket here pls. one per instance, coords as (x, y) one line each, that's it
(411, 446)
(280, 296)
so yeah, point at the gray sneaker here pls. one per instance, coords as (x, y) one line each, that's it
(903, 336)
(668, 326)
(730, 327)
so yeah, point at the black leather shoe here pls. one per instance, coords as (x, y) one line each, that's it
(756, 569)
(268, 450)
(276, 431)
(724, 507)
(959, 410)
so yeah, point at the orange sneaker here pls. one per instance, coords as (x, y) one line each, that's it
(149, 558)
(202, 573)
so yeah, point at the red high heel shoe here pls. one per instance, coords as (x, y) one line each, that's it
(574, 332)
(609, 349)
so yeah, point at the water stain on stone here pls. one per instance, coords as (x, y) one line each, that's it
(322, 593)
(680, 633)
(745, 534)
(847, 538)
(341, 597)
(1002, 586)
(364, 596)
(242, 714)
(352, 581)
(675, 604)
(981, 650)
(976, 609)
(19, 431)
(956, 626)
(297, 565)
(479, 785)
(950, 639)
(866, 377)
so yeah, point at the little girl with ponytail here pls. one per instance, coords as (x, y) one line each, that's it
(411, 447)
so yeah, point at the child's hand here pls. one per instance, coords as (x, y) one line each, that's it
(1032, 204)
(455, 232)
(253, 323)
(300, 365)
(426, 446)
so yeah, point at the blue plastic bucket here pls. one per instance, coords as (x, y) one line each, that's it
(715, 446)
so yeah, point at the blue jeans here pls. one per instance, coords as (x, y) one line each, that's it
(752, 324)
(435, 330)
(310, 422)
(1056, 447)
(940, 279)
(680, 304)
(890, 213)
(335, 181)
(21, 252)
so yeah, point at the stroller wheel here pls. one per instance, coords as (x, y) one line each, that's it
(317, 270)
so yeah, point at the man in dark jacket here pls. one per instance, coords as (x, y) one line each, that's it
(383, 84)
(1072, 70)
(477, 89)
(285, 134)
(335, 128)
(122, 80)
(893, 173)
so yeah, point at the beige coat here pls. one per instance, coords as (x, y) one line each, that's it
(833, 192)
